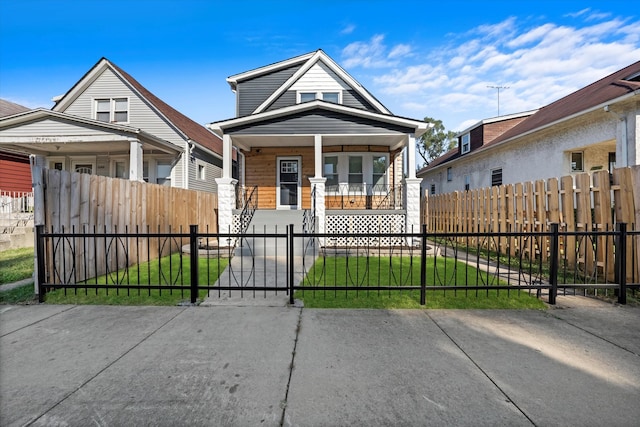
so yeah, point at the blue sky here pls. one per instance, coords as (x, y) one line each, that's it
(422, 58)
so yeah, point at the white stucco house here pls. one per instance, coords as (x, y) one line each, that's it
(594, 128)
(109, 124)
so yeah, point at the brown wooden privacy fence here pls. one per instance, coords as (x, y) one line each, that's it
(68, 202)
(586, 202)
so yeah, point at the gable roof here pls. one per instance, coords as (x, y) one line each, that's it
(307, 61)
(8, 108)
(594, 96)
(189, 129)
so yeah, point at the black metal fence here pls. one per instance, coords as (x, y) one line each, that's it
(297, 263)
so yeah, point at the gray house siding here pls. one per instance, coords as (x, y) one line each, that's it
(285, 100)
(351, 98)
(319, 121)
(212, 169)
(251, 93)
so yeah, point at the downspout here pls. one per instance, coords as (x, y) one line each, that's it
(623, 148)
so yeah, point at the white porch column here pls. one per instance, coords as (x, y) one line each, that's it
(226, 189)
(411, 156)
(319, 184)
(135, 160)
(226, 204)
(227, 156)
(412, 203)
(317, 147)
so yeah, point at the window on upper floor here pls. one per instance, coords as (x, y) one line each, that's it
(465, 143)
(331, 97)
(112, 110)
(307, 96)
(335, 97)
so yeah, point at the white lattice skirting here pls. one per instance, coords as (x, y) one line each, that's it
(374, 224)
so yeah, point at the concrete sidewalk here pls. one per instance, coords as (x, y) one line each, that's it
(577, 364)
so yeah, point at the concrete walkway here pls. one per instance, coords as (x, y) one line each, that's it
(261, 262)
(577, 364)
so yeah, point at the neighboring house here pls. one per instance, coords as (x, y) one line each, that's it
(108, 124)
(310, 137)
(15, 172)
(594, 128)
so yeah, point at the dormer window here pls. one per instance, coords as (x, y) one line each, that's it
(465, 143)
(112, 110)
(307, 96)
(331, 97)
(334, 97)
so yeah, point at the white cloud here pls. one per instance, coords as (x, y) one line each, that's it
(348, 29)
(374, 53)
(539, 63)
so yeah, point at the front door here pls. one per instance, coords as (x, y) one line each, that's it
(288, 185)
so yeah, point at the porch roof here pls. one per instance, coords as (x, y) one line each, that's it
(46, 132)
(388, 121)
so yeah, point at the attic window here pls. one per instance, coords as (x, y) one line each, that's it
(465, 143)
(112, 110)
(334, 97)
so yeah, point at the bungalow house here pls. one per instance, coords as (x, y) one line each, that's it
(310, 137)
(591, 129)
(109, 124)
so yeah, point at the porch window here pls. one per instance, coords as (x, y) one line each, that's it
(112, 110)
(577, 162)
(145, 171)
(331, 173)
(120, 170)
(355, 173)
(163, 173)
(379, 172)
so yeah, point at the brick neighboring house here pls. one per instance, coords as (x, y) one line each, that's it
(15, 170)
(594, 128)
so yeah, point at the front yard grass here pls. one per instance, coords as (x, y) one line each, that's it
(153, 273)
(16, 264)
(396, 271)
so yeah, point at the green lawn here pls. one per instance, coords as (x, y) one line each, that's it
(166, 271)
(16, 264)
(373, 271)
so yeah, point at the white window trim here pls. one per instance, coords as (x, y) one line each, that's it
(112, 165)
(202, 164)
(367, 169)
(318, 94)
(468, 144)
(112, 108)
(571, 162)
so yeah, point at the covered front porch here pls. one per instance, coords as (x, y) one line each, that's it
(323, 158)
(66, 142)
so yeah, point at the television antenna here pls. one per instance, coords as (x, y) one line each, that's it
(498, 88)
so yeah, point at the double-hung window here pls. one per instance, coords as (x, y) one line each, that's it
(465, 142)
(379, 173)
(331, 173)
(355, 173)
(112, 110)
